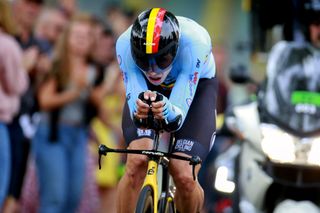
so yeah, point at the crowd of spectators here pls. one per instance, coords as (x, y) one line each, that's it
(61, 95)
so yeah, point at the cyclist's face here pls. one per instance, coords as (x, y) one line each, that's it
(156, 76)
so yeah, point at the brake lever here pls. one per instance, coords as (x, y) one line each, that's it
(99, 161)
(194, 160)
(102, 151)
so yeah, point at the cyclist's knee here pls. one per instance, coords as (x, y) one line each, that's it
(185, 183)
(136, 164)
(182, 176)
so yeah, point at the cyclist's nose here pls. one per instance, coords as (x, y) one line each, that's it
(152, 72)
(153, 67)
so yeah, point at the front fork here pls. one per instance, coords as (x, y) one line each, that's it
(151, 180)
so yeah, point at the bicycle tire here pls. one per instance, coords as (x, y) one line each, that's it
(145, 201)
(166, 205)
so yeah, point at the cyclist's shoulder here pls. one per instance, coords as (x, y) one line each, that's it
(192, 33)
(122, 48)
(124, 39)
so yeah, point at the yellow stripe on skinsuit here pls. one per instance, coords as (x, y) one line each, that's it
(150, 29)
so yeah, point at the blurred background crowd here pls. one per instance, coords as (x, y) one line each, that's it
(61, 91)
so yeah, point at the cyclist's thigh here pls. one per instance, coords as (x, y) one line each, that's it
(130, 131)
(197, 133)
(138, 162)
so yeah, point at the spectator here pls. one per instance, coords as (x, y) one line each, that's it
(119, 18)
(63, 130)
(223, 83)
(106, 127)
(13, 82)
(49, 26)
(68, 7)
(21, 128)
(104, 52)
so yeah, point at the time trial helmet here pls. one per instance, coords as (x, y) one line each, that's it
(154, 39)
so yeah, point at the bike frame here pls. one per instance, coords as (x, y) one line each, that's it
(151, 180)
(155, 158)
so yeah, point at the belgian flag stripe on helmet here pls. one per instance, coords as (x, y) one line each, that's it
(154, 29)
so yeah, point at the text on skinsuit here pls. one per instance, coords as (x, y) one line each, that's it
(184, 145)
(144, 132)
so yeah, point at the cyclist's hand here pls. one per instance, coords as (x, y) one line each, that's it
(142, 108)
(149, 95)
(160, 106)
(158, 109)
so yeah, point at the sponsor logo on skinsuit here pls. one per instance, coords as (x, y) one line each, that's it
(188, 101)
(194, 77)
(198, 63)
(206, 59)
(143, 132)
(184, 145)
(192, 82)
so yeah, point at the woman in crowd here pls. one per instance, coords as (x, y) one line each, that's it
(106, 126)
(60, 143)
(13, 83)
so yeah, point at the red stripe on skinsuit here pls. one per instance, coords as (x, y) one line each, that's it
(157, 30)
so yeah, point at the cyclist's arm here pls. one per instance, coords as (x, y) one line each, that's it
(133, 79)
(198, 63)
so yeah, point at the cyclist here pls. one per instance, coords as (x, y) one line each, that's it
(167, 56)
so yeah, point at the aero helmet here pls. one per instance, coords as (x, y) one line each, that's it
(154, 39)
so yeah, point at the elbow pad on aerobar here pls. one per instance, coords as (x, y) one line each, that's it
(173, 125)
(172, 115)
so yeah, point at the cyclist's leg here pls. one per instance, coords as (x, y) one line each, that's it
(136, 165)
(189, 196)
(194, 138)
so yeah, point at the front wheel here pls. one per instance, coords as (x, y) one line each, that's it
(145, 201)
